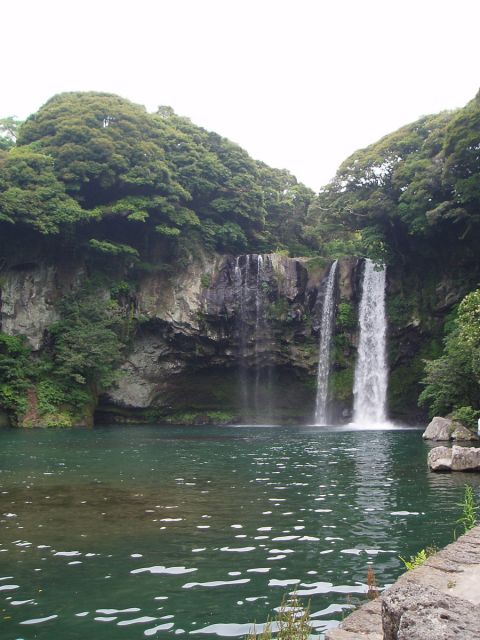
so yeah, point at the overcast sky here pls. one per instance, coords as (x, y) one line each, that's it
(300, 84)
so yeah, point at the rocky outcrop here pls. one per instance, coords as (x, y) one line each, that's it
(446, 429)
(416, 612)
(454, 459)
(438, 429)
(438, 600)
(30, 293)
(462, 433)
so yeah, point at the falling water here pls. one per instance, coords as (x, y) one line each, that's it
(259, 320)
(326, 330)
(371, 372)
(254, 336)
(241, 289)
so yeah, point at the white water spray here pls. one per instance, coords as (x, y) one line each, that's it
(371, 372)
(326, 330)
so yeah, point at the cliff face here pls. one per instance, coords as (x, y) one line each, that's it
(211, 338)
(232, 339)
(228, 339)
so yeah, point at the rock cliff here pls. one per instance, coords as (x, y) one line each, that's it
(224, 338)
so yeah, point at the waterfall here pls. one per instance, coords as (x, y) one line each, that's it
(241, 291)
(326, 330)
(259, 321)
(371, 372)
(253, 334)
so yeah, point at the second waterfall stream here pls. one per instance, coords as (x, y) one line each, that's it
(326, 330)
(371, 372)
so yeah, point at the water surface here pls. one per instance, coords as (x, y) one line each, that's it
(155, 531)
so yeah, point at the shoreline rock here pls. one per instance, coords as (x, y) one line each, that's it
(438, 600)
(445, 459)
(445, 429)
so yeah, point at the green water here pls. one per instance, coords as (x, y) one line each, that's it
(126, 533)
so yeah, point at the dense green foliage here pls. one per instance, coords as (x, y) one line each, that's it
(15, 368)
(78, 363)
(116, 175)
(411, 192)
(452, 382)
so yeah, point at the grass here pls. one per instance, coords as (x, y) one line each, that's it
(468, 517)
(419, 558)
(291, 623)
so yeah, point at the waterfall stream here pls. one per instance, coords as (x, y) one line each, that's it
(253, 331)
(326, 330)
(371, 372)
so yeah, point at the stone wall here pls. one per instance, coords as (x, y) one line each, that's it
(438, 600)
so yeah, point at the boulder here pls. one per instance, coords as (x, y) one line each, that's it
(438, 429)
(411, 611)
(454, 459)
(440, 459)
(462, 433)
(446, 429)
(465, 458)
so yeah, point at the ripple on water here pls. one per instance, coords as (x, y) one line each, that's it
(162, 569)
(216, 583)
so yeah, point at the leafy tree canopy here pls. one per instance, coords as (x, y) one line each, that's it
(98, 158)
(409, 191)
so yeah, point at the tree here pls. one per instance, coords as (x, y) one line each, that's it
(453, 380)
(30, 193)
(8, 132)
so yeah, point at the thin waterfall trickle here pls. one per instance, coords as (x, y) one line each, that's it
(241, 290)
(259, 321)
(371, 372)
(326, 330)
(250, 281)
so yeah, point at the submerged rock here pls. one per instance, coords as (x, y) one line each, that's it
(454, 459)
(446, 429)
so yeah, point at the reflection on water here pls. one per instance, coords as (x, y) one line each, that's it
(139, 532)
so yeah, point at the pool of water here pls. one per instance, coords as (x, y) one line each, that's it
(127, 533)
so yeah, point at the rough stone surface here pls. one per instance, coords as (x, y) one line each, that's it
(465, 458)
(438, 429)
(437, 601)
(454, 459)
(417, 612)
(462, 433)
(364, 624)
(29, 297)
(446, 429)
(440, 459)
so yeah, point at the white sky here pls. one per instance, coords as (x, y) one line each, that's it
(300, 84)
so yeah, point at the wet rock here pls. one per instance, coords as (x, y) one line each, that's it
(440, 459)
(411, 611)
(446, 429)
(438, 429)
(462, 433)
(454, 459)
(465, 459)
(363, 624)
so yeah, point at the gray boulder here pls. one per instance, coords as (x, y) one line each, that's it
(465, 459)
(440, 459)
(446, 429)
(454, 459)
(438, 429)
(462, 433)
(411, 611)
